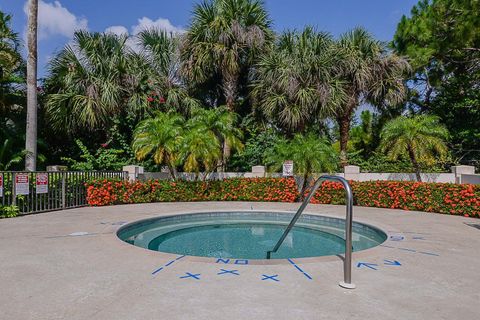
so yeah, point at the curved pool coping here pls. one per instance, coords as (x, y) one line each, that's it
(356, 254)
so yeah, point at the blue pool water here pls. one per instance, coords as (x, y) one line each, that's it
(247, 235)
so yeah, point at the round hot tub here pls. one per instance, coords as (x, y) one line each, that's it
(248, 235)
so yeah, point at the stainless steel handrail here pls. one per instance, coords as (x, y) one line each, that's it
(347, 261)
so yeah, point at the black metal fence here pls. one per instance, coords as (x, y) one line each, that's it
(42, 191)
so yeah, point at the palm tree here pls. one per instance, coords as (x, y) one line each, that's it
(103, 83)
(161, 137)
(223, 39)
(86, 80)
(309, 153)
(31, 130)
(222, 124)
(293, 83)
(155, 73)
(420, 137)
(369, 74)
(200, 149)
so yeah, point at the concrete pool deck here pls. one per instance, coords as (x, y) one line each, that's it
(71, 265)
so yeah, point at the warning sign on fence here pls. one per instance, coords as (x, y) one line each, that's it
(1, 185)
(288, 168)
(21, 184)
(41, 185)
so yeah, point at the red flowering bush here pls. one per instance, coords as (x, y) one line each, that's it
(108, 192)
(457, 199)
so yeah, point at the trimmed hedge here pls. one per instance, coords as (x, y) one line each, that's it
(455, 199)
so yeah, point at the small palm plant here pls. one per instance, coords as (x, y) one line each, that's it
(200, 149)
(421, 137)
(309, 153)
(222, 124)
(160, 137)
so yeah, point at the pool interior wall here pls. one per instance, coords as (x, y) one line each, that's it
(247, 235)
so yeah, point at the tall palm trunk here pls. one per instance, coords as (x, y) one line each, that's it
(230, 82)
(344, 128)
(31, 130)
(230, 91)
(415, 164)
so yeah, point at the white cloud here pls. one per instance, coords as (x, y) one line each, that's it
(144, 23)
(54, 19)
(160, 23)
(118, 30)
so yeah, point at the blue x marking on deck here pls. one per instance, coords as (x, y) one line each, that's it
(274, 277)
(191, 275)
(223, 271)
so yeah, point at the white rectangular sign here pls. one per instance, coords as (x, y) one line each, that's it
(288, 168)
(41, 183)
(1, 184)
(21, 184)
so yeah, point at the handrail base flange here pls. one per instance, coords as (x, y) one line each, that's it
(347, 285)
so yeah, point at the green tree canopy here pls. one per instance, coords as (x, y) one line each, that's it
(222, 41)
(441, 38)
(12, 97)
(422, 138)
(294, 83)
(370, 73)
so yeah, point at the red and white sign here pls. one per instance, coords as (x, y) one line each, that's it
(1, 185)
(21, 184)
(288, 168)
(41, 183)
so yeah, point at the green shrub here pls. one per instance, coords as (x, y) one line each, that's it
(9, 211)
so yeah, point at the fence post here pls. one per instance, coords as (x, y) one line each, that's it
(14, 192)
(64, 190)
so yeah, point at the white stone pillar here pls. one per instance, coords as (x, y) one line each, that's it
(459, 170)
(257, 172)
(352, 172)
(133, 171)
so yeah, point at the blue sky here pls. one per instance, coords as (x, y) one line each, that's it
(58, 19)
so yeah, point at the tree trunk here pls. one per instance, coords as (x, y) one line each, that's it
(230, 82)
(226, 154)
(171, 168)
(31, 130)
(301, 196)
(415, 164)
(230, 90)
(344, 128)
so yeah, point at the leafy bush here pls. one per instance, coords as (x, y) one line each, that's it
(8, 211)
(104, 158)
(455, 199)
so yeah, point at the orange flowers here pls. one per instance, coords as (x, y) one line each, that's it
(431, 197)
